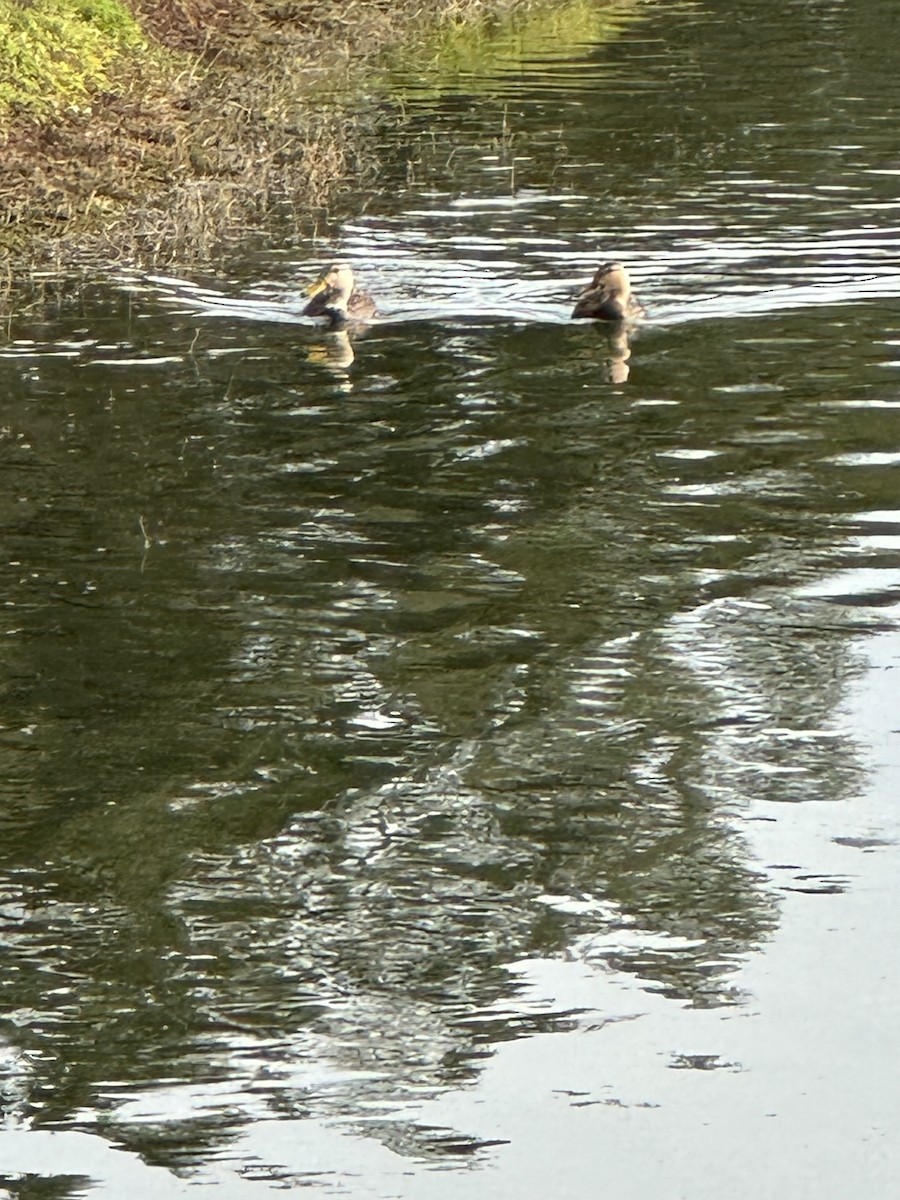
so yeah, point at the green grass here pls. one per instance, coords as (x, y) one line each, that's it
(54, 53)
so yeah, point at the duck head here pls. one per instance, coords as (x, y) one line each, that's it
(330, 294)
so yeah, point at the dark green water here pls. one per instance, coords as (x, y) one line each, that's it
(460, 759)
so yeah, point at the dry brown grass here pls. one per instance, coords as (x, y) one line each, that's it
(215, 133)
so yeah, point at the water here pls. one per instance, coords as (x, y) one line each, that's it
(459, 758)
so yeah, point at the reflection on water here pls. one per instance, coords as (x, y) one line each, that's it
(373, 703)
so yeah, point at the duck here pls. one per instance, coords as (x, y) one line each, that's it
(608, 297)
(334, 296)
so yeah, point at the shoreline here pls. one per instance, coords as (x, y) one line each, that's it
(195, 123)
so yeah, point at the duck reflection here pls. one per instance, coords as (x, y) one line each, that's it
(618, 341)
(334, 351)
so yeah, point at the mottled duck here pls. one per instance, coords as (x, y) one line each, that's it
(608, 296)
(334, 296)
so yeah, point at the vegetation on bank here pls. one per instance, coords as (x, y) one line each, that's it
(160, 128)
(157, 129)
(54, 54)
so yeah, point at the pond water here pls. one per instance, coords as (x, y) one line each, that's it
(460, 757)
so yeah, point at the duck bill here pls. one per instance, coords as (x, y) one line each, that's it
(315, 288)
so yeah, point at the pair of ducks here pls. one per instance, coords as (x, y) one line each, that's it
(608, 297)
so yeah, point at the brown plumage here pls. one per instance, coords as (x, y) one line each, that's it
(608, 296)
(335, 297)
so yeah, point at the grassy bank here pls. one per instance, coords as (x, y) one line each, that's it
(168, 128)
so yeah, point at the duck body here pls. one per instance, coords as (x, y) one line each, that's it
(334, 296)
(608, 297)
